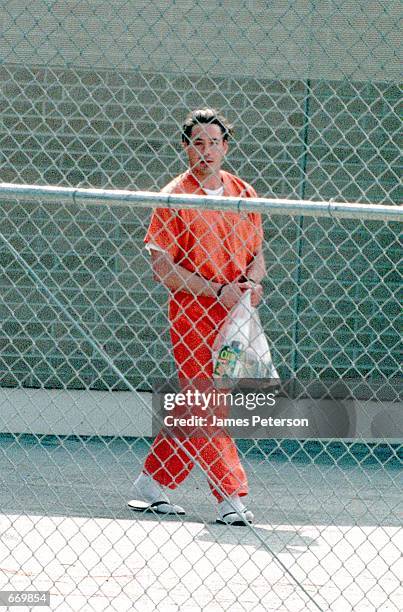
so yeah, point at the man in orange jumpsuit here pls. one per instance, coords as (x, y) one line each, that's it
(206, 259)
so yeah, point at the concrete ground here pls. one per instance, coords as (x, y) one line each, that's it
(327, 535)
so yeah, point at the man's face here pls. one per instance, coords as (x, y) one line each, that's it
(206, 149)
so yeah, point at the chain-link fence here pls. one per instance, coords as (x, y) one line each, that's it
(93, 94)
(85, 327)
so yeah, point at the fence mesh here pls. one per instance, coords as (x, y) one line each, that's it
(93, 94)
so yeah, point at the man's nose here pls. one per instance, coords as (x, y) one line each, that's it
(205, 148)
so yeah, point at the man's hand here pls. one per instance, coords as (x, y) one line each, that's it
(174, 277)
(231, 293)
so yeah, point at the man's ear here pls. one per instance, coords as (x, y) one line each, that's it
(185, 144)
(226, 146)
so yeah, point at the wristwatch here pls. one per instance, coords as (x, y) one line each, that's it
(245, 279)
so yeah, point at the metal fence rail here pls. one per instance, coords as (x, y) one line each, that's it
(275, 206)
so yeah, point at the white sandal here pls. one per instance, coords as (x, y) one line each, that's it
(151, 497)
(158, 507)
(233, 518)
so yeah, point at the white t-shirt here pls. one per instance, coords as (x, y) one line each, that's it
(214, 192)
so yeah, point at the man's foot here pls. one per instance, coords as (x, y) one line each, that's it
(151, 497)
(234, 513)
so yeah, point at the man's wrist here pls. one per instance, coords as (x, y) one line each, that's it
(212, 289)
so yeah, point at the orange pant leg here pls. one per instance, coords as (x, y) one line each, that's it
(193, 332)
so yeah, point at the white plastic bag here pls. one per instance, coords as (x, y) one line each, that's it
(241, 349)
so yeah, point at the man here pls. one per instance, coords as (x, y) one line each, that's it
(206, 259)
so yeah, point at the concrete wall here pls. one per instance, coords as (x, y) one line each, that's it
(284, 39)
(99, 413)
(315, 139)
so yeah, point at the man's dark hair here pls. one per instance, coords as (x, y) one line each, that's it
(209, 116)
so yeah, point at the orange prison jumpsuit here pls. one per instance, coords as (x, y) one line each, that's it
(218, 246)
